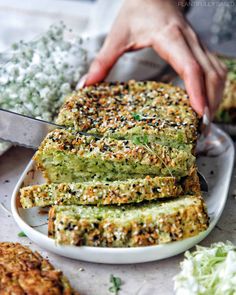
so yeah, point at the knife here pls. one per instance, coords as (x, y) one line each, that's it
(23, 130)
(30, 132)
(26, 131)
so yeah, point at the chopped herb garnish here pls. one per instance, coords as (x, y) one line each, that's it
(140, 140)
(137, 117)
(143, 140)
(116, 284)
(22, 234)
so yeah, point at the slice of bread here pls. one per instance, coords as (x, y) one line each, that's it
(100, 193)
(128, 226)
(64, 156)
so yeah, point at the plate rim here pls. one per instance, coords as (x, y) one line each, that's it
(49, 244)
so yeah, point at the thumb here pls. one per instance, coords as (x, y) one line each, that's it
(104, 61)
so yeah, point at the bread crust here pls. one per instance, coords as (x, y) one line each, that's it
(161, 112)
(129, 226)
(23, 271)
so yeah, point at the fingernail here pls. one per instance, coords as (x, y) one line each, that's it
(206, 121)
(207, 113)
(82, 82)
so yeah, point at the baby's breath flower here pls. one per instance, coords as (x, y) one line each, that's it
(41, 73)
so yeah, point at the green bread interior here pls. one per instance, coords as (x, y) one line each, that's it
(100, 193)
(64, 166)
(125, 213)
(177, 138)
(130, 225)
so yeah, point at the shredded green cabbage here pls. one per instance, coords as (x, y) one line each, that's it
(208, 271)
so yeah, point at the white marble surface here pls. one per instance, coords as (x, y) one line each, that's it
(145, 279)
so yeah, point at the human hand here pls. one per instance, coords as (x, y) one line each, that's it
(162, 26)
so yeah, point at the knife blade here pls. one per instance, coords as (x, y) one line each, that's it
(27, 131)
(23, 130)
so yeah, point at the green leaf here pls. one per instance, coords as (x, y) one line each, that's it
(116, 284)
(136, 140)
(22, 234)
(140, 140)
(112, 289)
(137, 117)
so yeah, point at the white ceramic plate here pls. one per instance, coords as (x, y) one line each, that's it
(217, 167)
(228, 128)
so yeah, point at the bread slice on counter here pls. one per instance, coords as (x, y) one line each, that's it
(100, 193)
(23, 271)
(66, 156)
(158, 111)
(128, 226)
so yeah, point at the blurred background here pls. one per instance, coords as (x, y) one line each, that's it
(215, 21)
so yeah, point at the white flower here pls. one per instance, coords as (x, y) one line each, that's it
(40, 74)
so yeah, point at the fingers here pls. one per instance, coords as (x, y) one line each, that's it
(114, 46)
(215, 82)
(203, 74)
(214, 70)
(221, 70)
(104, 61)
(172, 47)
(217, 63)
